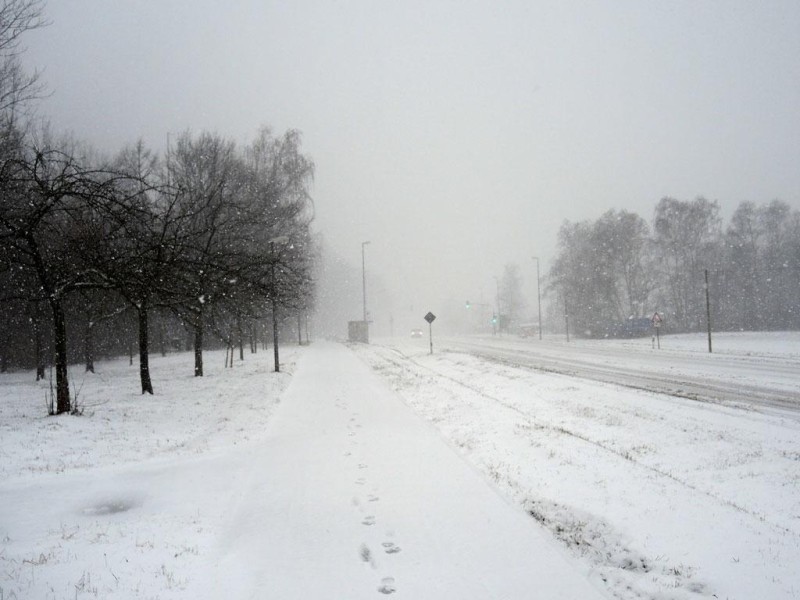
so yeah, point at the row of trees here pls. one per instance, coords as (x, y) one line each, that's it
(619, 266)
(210, 236)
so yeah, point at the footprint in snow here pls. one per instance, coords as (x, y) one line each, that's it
(391, 548)
(387, 586)
(372, 498)
(365, 553)
(362, 466)
(361, 481)
(370, 520)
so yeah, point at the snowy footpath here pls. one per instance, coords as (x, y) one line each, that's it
(352, 496)
(322, 485)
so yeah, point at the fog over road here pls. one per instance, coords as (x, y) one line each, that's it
(742, 378)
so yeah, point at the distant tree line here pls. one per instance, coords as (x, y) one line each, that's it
(208, 239)
(619, 267)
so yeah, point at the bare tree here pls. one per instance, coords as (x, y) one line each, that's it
(54, 208)
(687, 240)
(621, 241)
(138, 260)
(511, 300)
(17, 87)
(203, 168)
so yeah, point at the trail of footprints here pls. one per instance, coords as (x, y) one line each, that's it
(387, 584)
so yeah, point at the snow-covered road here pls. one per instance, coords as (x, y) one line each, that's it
(736, 374)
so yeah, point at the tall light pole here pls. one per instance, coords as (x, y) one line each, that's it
(364, 280)
(274, 309)
(497, 300)
(708, 311)
(279, 240)
(538, 295)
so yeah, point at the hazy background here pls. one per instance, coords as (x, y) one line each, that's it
(455, 136)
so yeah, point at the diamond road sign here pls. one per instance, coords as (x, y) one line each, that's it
(430, 317)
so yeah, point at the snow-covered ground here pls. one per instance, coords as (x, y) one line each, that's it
(664, 496)
(125, 501)
(781, 344)
(316, 483)
(326, 481)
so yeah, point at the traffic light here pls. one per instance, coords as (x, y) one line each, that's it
(494, 319)
(467, 304)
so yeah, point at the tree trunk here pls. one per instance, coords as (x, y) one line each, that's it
(198, 350)
(144, 354)
(60, 335)
(299, 329)
(37, 349)
(88, 345)
(240, 332)
(162, 337)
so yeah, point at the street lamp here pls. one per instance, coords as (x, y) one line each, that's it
(279, 240)
(538, 295)
(499, 312)
(364, 286)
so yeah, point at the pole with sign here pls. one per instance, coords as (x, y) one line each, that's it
(657, 320)
(430, 318)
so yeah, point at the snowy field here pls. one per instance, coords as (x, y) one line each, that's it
(126, 500)
(335, 480)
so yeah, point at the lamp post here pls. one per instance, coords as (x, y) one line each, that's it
(499, 312)
(364, 279)
(708, 311)
(279, 240)
(538, 295)
(364, 286)
(274, 310)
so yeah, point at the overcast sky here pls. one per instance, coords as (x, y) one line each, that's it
(455, 136)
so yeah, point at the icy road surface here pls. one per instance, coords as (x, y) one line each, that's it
(742, 370)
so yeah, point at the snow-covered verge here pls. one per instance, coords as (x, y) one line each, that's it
(92, 506)
(778, 344)
(665, 497)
